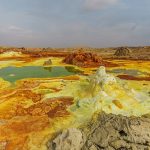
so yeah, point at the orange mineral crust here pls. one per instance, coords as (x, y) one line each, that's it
(86, 59)
(19, 122)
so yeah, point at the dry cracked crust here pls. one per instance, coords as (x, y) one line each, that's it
(108, 132)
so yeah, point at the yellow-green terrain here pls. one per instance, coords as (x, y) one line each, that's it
(37, 101)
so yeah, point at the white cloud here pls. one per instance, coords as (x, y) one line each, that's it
(98, 4)
(15, 28)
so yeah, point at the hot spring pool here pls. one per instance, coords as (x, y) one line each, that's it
(13, 74)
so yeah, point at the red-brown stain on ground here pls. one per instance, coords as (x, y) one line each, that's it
(128, 77)
(20, 122)
(24, 94)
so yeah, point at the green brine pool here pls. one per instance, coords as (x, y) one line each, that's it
(13, 74)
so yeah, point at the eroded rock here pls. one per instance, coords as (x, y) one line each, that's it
(70, 139)
(117, 132)
(83, 59)
(47, 63)
(106, 132)
(101, 78)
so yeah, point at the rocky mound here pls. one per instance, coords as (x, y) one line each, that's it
(122, 51)
(83, 59)
(47, 62)
(108, 132)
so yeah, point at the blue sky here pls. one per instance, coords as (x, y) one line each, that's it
(71, 23)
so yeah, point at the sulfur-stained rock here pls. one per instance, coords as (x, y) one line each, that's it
(83, 59)
(47, 63)
(87, 59)
(11, 54)
(101, 78)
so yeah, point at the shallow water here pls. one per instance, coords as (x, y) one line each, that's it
(13, 74)
(131, 72)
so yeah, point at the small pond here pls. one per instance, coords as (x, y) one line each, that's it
(13, 74)
(131, 72)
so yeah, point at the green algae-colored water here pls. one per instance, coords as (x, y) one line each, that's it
(13, 74)
(131, 72)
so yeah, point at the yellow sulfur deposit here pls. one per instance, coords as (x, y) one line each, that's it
(33, 109)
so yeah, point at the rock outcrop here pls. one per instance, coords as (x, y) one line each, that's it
(107, 132)
(83, 59)
(116, 132)
(70, 139)
(122, 51)
(47, 63)
(101, 78)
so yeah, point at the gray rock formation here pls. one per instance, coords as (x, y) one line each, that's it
(70, 139)
(116, 132)
(122, 51)
(107, 132)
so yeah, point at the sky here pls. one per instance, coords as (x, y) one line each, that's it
(74, 23)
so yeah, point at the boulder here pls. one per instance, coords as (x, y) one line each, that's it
(70, 139)
(47, 62)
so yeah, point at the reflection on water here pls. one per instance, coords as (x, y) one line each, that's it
(73, 70)
(48, 68)
(13, 74)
